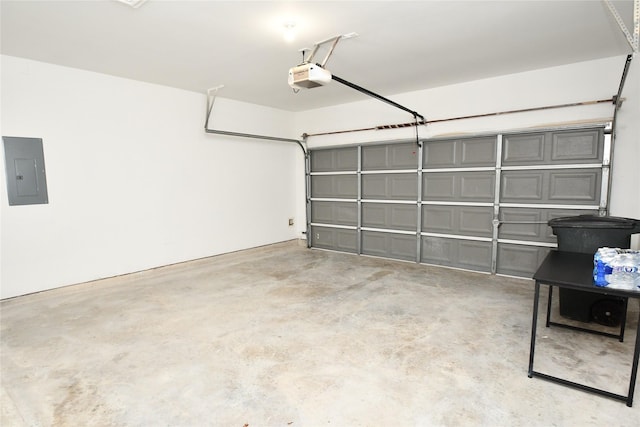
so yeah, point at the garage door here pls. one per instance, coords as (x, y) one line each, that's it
(480, 203)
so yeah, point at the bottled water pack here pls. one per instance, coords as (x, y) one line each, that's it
(617, 268)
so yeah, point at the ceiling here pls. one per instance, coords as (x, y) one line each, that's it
(401, 45)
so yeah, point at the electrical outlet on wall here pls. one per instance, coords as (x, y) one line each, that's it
(290, 222)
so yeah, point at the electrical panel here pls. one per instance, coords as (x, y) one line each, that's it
(26, 177)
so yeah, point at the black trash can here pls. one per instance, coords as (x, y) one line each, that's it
(585, 234)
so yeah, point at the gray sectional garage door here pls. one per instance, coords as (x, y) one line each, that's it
(479, 203)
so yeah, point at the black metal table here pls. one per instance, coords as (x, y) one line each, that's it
(574, 270)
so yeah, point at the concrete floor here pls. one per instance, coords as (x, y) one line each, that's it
(286, 336)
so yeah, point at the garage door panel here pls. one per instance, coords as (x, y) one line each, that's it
(520, 260)
(346, 240)
(403, 247)
(523, 149)
(539, 171)
(439, 186)
(334, 186)
(396, 217)
(375, 215)
(576, 186)
(334, 160)
(404, 217)
(474, 255)
(346, 214)
(322, 237)
(467, 186)
(392, 156)
(438, 250)
(341, 213)
(554, 147)
(521, 224)
(403, 156)
(374, 244)
(478, 152)
(439, 154)
(577, 146)
(401, 186)
(374, 186)
(438, 219)
(374, 157)
(522, 186)
(389, 245)
(458, 253)
(467, 152)
(531, 224)
(463, 220)
(322, 160)
(334, 238)
(477, 186)
(476, 221)
(346, 186)
(321, 186)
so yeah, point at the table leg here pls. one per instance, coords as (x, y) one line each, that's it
(549, 305)
(623, 322)
(534, 323)
(634, 367)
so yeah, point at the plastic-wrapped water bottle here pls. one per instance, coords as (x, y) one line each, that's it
(602, 265)
(624, 271)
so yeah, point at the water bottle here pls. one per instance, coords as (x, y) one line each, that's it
(602, 265)
(624, 271)
(599, 270)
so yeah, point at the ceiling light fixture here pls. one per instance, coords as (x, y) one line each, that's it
(289, 31)
(133, 3)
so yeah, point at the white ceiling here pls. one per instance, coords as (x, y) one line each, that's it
(402, 45)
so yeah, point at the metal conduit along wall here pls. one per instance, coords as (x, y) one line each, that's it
(479, 203)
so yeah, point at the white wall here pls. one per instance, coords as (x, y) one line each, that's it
(133, 180)
(580, 82)
(135, 183)
(625, 192)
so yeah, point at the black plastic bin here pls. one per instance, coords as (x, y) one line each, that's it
(585, 234)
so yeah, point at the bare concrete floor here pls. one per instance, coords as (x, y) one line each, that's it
(286, 336)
